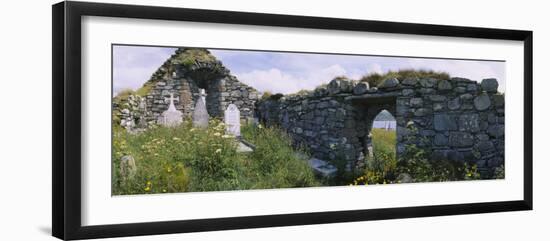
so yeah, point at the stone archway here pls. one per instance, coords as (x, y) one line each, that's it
(366, 110)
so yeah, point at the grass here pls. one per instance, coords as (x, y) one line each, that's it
(189, 56)
(375, 79)
(187, 159)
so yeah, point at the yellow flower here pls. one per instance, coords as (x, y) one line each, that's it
(169, 170)
(218, 150)
(217, 134)
(147, 189)
(163, 190)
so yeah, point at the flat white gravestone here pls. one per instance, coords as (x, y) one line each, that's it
(171, 117)
(232, 119)
(200, 115)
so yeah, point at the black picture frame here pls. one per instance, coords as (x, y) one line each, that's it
(66, 47)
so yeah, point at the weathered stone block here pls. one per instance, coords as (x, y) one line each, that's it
(466, 97)
(482, 137)
(461, 139)
(407, 92)
(485, 146)
(361, 88)
(468, 122)
(389, 83)
(482, 102)
(460, 90)
(428, 82)
(444, 85)
(416, 102)
(410, 81)
(444, 122)
(454, 104)
(438, 106)
(441, 140)
(471, 87)
(422, 112)
(496, 131)
(426, 91)
(489, 85)
(437, 98)
(498, 100)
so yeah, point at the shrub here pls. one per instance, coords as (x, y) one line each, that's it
(376, 79)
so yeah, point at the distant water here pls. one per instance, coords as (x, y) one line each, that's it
(384, 124)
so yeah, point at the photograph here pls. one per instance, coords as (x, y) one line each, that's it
(193, 119)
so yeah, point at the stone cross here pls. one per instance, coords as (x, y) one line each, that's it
(232, 119)
(171, 107)
(171, 117)
(200, 114)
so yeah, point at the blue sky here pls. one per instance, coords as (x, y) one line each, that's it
(281, 72)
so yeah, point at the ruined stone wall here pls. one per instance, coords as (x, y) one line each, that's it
(456, 119)
(219, 94)
(183, 75)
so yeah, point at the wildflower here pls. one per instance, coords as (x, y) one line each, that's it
(176, 139)
(192, 129)
(147, 189)
(217, 134)
(259, 126)
(163, 190)
(226, 136)
(218, 150)
(169, 170)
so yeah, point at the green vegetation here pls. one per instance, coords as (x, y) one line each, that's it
(376, 79)
(145, 89)
(187, 159)
(190, 56)
(266, 95)
(275, 162)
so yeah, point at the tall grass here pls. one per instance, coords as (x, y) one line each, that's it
(187, 159)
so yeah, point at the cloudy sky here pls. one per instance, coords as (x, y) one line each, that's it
(290, 72)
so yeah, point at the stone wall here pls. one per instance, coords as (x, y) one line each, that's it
(457, 119)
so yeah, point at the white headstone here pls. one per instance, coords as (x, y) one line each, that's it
(171, 117)
(200, 115)
(232, 119)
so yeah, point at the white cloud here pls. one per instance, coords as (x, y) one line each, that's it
(276, 81)
(374, 68)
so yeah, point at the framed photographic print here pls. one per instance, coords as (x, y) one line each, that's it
(170, 120)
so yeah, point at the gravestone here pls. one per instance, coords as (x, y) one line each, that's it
(200, 115)
(171, 117)
(128, 167)
(232, 118)
(142, 111)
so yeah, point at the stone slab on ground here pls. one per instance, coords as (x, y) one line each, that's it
(243, 148)
(322, 167)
